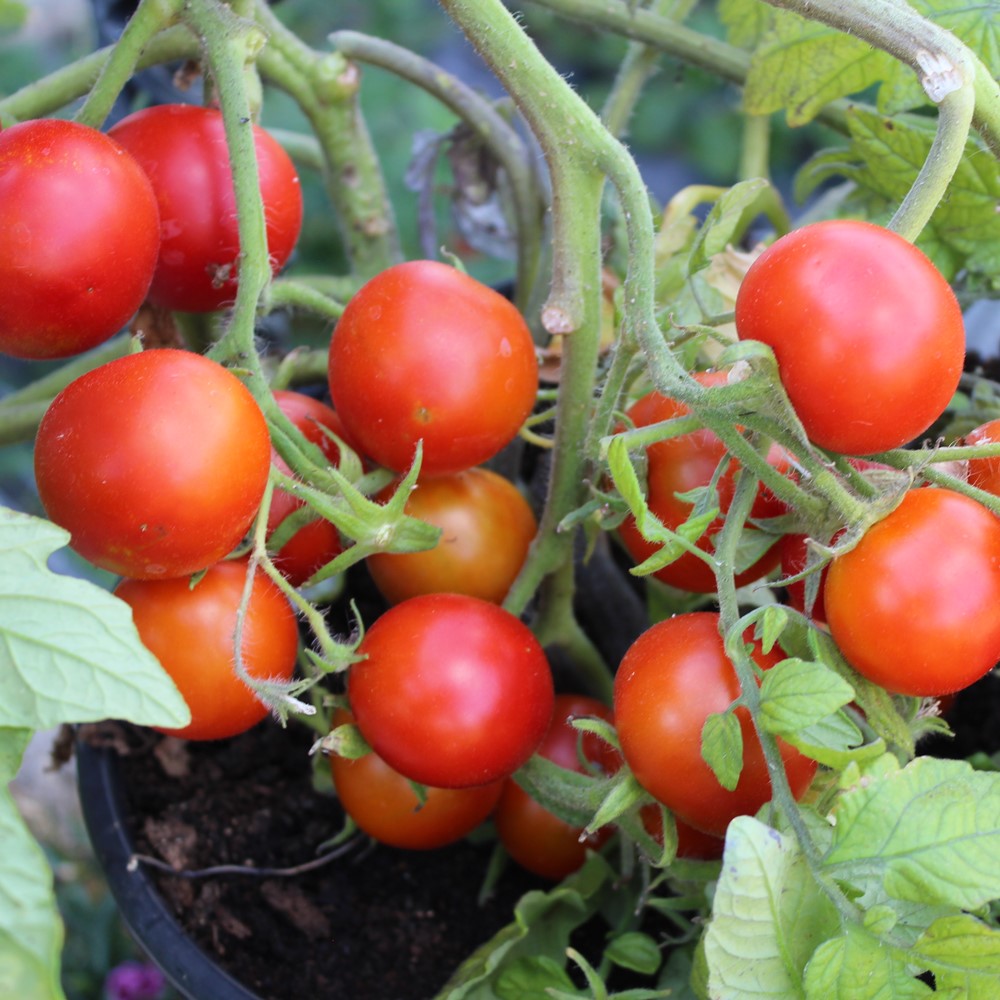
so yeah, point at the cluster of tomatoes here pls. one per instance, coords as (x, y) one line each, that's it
(157, 464)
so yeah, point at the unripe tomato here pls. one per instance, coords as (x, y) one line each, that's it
(182, 148)
(155, 463)
(191, 631)
(80, 237)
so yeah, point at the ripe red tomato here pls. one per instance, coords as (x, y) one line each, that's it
(384, 805)
(155, 463)
(80, 238)
(315, 544)
(534, 837)
(684, 463)
(453, 691)
(190, 630)
(985, 472)
(487, 526)
(867, 333)
(914, 605)
(670, 680)
(424, 352)
(182, 148)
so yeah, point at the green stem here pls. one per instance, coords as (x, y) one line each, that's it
(325, 86)
(295, 294)
(150, 17)
(755, 152)
(502, 140)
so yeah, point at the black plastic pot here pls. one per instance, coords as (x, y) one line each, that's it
(186, 966)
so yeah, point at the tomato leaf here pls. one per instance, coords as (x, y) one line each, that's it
(964, 955)
(798, 693)
(927, 833)
(768, 916)
(636, 951)
(722, 747)
(533, 977)
(859, 964)
(70, 652)
(30, 929)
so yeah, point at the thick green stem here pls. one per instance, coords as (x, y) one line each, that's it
(477, 112)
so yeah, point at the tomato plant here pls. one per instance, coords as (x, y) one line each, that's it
(317, 542)
(452, 691)
(913, 605)
(533, 836)
(190, 630)
(687, 462)
(155, 463)
(486, 528)
(868, 335)
(384, 804)
(182, 148)
(80, 239)
(670, 680)
(425, 353)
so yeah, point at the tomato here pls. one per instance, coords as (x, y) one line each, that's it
(867, 333)
(915, 605)
(424, 352)
(487, 526)
(453, 691)
(985, 472)
(80, 238)
(794, 556)
(182, 148)
(155, 463)
(534, 837)
(190, 630)
(385, 806)
(683, 463)
(317, 542)
(670, 680)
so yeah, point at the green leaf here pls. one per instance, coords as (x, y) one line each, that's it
(531, 978)
(768, 916)
(636, 951)
(722, 747)
(964, 955)
(726, 221)
(746, 21)
(31, 931)
(69, 650)
(929, 832)
(835, 741)
(857, 964)
(12, 16)
(801, 66)
(798, 693)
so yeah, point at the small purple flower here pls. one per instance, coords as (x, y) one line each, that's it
(134, 981)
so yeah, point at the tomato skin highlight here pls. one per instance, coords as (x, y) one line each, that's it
(424, 352)
(915, 605)
(182, 148)
(190, 631)
(80, 238)
(384, 805)
(868, 335)
(535, 838)
(670, 680)
(155, 463)
(487, 527)
(453, 691)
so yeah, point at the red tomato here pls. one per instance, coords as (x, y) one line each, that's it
(985, 472)
(424, 352)
(190, 630)
(155, 463)
(534, 837)
(384, 805)
(915, 605)
(80, 238)
(453, 691)
(315, 544)
(182, 148)
(670, 680)
(867, 334)
(487, 526)
(684, 463)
